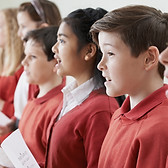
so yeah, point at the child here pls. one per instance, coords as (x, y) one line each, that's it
(10, 59)
(38, 65)
(29, 18)
(131, 39)
(32, 15)
(82, 119)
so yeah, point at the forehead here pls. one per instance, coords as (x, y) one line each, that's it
(109, 39)
(66, 31)
(31, 45)
(23, 15)
(34, 48)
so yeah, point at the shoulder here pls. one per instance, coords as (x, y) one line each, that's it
(99, 99)
(155, 123)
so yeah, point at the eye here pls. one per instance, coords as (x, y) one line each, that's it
(110, 53)
(33, 57)
(61, 41)
(22, 26)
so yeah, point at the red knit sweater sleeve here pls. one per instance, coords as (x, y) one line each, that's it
(7, 89)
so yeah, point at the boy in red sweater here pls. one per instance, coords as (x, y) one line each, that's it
(131, 39)
(38, 66)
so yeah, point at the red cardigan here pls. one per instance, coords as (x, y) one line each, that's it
(138, 138)
(75, 140)
(7, 89)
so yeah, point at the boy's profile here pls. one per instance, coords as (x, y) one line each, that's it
(131, 39)
(38, 65)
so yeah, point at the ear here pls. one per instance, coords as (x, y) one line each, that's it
(151, 58)
(44, 25)
(90, 51)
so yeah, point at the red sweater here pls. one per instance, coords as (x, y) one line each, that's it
(7, 89)
(75, 140)
(35, 120)
(138, 138)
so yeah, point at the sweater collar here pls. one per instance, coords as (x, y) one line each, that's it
(53, 92)
(145, 105)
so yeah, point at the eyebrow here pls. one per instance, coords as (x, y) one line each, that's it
(61, 34)
(108, 44)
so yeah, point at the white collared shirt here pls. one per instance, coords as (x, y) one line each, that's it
(74, 96)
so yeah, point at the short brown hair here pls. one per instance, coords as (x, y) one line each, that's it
(139, 27)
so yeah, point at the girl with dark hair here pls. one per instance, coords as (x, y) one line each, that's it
(79, 125)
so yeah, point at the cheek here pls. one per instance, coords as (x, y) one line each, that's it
(24, 32)
(35, 68)
(36, 75)
(166, 71)
(115, 70)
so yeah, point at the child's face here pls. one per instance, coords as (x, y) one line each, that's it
(123, 72)
(38, 69)
(25, 24)
(69, 60)
(164, 60)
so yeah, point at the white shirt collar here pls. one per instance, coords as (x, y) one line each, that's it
(74, 96)
(81, 92)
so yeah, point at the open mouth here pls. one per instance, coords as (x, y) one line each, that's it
(58, 61)
(107, 79)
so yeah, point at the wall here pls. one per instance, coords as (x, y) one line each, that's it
(66, 6)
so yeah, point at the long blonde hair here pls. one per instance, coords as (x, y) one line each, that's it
(12, 54)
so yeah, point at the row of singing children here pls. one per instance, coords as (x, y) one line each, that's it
(85, 92)
(129, 63)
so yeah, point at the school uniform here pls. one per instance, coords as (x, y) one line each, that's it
(35, 120)
(7, 89)
(138, 138)
(79, 126)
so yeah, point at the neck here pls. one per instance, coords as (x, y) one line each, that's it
(145, 91)
(46, 87)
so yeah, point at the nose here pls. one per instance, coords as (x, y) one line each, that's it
(101, 65)
(163, 57)
(19, 32)
(55, 48)
(24, 61)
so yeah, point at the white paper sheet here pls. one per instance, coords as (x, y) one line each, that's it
(4, 119)
(17, 151)
(4, 160)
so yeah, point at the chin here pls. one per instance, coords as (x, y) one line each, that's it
(30, 81)
(59, 72)
(111, 93)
